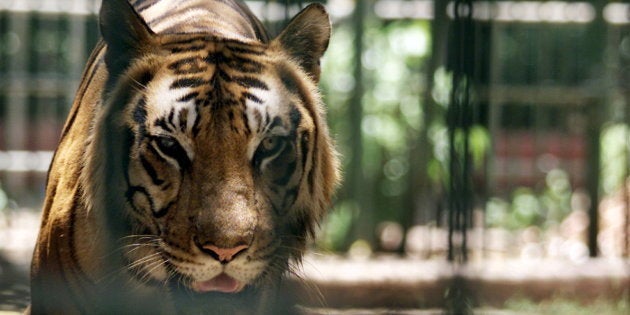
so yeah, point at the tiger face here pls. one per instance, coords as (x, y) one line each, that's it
(227, 161)
(219, 155)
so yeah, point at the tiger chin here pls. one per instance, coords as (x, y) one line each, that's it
(194, 165)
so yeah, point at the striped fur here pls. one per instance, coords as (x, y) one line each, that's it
(191, 133)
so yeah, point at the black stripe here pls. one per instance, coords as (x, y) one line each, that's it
(143, 5)
(246, 65)
(311, 172)
(305, 149)
(259, 120)
(288, 174)
(188, 82)
(223, 75)
(183, 119)
(295, 86)
(251, 82)
(171, 116)
(162, 212)
(215, 58)
(246, 50)
(231, 118)
(161, 122)
(288, 79)
(295, 116)
(151, 171)
(140, 190)
(226, 102)
(155, 153)
(196, 129)
(277, 121)
(140, 111)
(188, 48)
(145, 78)
(188, 97)
(246, 122)
(185, 40)
(252, 97)
(174, 150)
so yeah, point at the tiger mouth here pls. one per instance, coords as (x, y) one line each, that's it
(222, 283)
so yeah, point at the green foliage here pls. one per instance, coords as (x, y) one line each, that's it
(4, 199)
(337, 226)
(615, 147)
(392, 115)
(556, 198)
(565, 306)
(479, 138)
(527, 208)
(497, 212)
(394, 84)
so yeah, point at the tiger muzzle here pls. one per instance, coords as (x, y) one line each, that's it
(225, 228)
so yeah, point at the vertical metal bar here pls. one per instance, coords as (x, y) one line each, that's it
(4, 72)
(461, 62)
(625, 185)
(16, 97)
(494, 112)
(421, 199)
(596, 35)
(459, 120)
(593, 137)
(356, 180)
(76, 54)
(287, 6)
(625, 73)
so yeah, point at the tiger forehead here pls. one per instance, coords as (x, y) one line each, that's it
(203, 81)
(212, 67)
(212, 50)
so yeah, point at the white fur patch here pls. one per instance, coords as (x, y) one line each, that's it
(161, 100)
(273, 106)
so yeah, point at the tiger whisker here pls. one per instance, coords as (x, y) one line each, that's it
(137, 85)
(142, 260)
(147, 273)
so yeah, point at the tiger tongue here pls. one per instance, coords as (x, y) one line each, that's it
(221, 283)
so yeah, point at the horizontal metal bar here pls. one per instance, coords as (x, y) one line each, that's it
(25, 161)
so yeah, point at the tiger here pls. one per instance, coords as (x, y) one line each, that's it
(194, 167)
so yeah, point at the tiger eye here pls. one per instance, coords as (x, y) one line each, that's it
(269, 143)
(166, 143)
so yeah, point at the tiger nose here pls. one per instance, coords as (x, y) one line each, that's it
(223, 255)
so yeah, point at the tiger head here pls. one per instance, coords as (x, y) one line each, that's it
(217, 150)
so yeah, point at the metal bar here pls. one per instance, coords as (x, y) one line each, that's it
(459, 120)
(356, 179)
(596, 34)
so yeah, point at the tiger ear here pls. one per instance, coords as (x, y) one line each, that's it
(124, 31)
(306, 38)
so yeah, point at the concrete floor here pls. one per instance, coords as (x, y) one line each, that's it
(384, 284)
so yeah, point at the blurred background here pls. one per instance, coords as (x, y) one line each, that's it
(485, 149)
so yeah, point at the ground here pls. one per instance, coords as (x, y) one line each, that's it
(391, 284)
